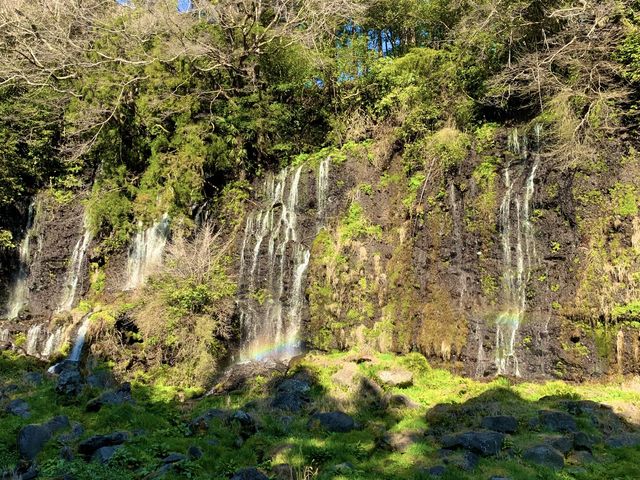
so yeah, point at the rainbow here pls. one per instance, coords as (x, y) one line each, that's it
(283, 350)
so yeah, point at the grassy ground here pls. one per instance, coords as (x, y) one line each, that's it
(160, 416)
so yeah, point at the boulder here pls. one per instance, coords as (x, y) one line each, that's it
(33, 378)
(293, 385)
(104, 454)
(396, 378)
(194, 452)
(347, 376)
(69, 382)
(249, 474)
(581, 457)
(562, 444)
(544, 455)
(623, 440)
(582, 441)
(91, 444)
(19, 408)
(557, 421)
(174, 457)
(437, 471)
(500, 423)
(31, 440)
(401, 401)
(245, 421)
(113, 397)
(201, 423)
(464, 460)
(289, 401)
(483, 442)
(338, 422)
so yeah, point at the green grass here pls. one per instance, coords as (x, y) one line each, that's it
(159, 421)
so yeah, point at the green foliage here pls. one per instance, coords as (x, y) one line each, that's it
(625, 199)
(355, 224)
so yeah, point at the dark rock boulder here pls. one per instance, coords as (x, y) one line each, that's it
(104, 454)
(69, 382)
(32, 438)
(582, 441)
(500, 423)
(483, 442)
(562, 444)
(338, 422)
(464, 460)
(201, 423)
(290, 401)
(33, 378)
(582, 457)
(245, 422)
(19, 408)
(544, 455)
(293, 385)
(194, 452)
(249, 474)
(437, 471)
(114, 397)
(174, 457)
(557, 421)
(92, 444)
(623, 440)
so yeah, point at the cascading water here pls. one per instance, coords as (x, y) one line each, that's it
(33, 337)
(19, 296)
(518, 248)
(53, 343)
(4, 335)
(74, 273)
(273, 266)
(146, 252)
(322, 188)
(76, 352)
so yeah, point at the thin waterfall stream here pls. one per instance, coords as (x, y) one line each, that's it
(147, 249)
(75, 270)
(273, 263)
(19, 294)
(518, 247)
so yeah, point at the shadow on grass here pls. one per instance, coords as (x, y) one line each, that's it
(396, 438)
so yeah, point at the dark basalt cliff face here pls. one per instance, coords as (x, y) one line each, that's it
(498, 262)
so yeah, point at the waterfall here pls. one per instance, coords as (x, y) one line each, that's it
(4, 335)
(146, 252)
(518, 247)
(78, 344)
(75, 270)
(322, 188)
(19, 295)
(457, 237)
(273, 266)
(33, 336)
(53, 343)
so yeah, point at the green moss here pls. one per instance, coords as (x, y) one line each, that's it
(625, 199)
